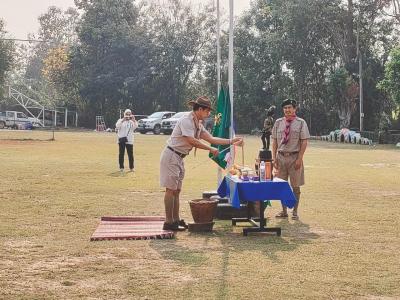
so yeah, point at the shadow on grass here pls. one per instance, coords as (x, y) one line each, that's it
(265, 243)
(178, 253)
(231, 242)
(117, 174)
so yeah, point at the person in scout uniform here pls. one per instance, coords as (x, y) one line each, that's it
(268, 124)
(289, 142)
(187, 134)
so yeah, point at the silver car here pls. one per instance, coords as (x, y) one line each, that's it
(168, 125)
(153, 122)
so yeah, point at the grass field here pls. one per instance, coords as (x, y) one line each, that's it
(53, 193)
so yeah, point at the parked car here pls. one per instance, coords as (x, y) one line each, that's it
(153, 122)
(140, 117)
(168, 125)
(16, 120)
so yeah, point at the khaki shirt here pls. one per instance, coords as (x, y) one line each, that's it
(298, 131)
(187, 126)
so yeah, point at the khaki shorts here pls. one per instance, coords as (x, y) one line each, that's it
(286, 169)
(172, 170)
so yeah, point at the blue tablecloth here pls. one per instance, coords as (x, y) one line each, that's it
(237, 190)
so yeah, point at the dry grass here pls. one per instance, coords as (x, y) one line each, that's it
(52, 195)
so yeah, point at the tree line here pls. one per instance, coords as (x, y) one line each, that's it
(102, 56)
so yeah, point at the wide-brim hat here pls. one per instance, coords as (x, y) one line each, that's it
(203, 101)
(289, 102)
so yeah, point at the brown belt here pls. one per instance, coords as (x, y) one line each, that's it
(176, 152)
(287, 153)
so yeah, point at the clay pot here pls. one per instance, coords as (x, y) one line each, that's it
(203, 210)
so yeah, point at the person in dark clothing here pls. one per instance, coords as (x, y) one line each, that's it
(268, 124)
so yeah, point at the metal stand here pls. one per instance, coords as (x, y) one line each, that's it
(262, 222)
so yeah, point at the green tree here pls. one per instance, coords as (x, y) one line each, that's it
(6, 57)
(295, 48)
(391, 81)
(180, 35)
(343, 92)
(283, 49)
(56, 31)
(112, 62)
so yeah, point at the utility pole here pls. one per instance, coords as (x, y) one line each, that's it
(360, 70)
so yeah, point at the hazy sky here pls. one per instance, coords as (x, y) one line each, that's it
(21, 16)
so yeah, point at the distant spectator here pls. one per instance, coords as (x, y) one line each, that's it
(125, 128)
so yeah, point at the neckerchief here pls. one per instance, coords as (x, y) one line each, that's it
(288, 121)
(197, 126)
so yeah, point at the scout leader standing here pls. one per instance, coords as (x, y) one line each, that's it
(289, 142)
(187, 134)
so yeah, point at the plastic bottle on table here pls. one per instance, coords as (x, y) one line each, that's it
(262, 171)
(268, 170)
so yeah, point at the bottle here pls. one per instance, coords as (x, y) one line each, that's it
(262, 171)
(268, 170)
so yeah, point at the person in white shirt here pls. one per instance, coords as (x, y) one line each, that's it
(125, 128)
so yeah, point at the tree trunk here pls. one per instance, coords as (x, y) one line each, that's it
(344, 113)
(344, 118)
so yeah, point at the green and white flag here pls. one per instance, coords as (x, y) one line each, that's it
(222, 124)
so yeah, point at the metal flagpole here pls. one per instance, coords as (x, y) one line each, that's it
(230, 72)
(219, 174)
(218, 52)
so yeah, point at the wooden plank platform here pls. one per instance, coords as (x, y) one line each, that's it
(131, 228)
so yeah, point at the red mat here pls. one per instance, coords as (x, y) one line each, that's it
(131, 228)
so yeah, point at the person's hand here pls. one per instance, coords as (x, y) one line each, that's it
(238, 141)
(297, 164)
(214, 151)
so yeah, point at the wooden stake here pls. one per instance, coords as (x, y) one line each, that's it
(243, 155)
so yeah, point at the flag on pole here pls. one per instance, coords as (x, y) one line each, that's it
(222, 124)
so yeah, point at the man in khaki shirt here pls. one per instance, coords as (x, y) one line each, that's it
(289, 142)
(187, 134)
